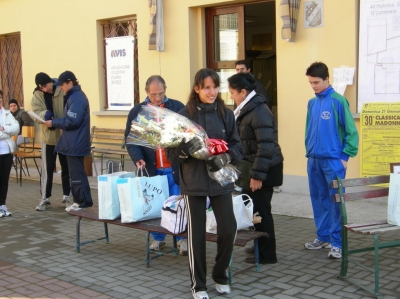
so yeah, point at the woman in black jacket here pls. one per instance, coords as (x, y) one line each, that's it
(206, 108)
(257, 130)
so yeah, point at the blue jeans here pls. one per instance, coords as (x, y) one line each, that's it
(173, 190)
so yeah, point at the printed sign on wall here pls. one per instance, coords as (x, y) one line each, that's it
(119, 58)
(379, 137)
(379, 52)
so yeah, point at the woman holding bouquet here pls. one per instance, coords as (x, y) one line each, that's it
(257, 130)
(206, 108)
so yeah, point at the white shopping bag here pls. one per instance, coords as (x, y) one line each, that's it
(393, 214)
(108, 194)
(142, 198)
(243, 209)
(173, 214)
(211, 222)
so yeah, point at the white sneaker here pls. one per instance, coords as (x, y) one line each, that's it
(73, 207)
(277, 190)
(43, 204)
(156, 245)
(66, 201)
(335, 253)
(182, 246)
(223, 288)
(200, 295)
(317, 244)
(4, 212)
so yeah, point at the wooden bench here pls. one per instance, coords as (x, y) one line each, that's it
(242, 237)
(369, 228)
(107, 143)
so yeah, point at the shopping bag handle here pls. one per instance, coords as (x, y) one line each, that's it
(112, 166)
(141, 172)
(246, 200)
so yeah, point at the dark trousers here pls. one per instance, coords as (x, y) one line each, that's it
(80, 188)
(226, 231)
(262, 204)
(49, 157)
(5, 168)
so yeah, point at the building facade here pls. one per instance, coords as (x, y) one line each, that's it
(56, 36)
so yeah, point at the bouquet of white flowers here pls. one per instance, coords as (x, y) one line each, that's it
(156, 128)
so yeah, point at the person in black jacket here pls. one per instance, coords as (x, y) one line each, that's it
(155, 161)
(22, 117)
(75, 139)
(243, 66)
(259, 135)
(206, 108)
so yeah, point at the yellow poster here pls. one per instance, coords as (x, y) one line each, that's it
(379, 138)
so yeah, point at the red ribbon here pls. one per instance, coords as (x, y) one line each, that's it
(217, 146)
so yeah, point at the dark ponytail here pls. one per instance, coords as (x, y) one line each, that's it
(242, 81)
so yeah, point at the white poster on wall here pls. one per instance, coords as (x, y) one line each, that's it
(342, 77)
(379, 52)
(119, 59)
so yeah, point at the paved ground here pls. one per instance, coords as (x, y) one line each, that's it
(38, 258)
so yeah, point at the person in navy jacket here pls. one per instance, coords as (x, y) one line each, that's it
(155, 161)
(75, 139)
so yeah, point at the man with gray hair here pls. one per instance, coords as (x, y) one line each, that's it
(155, 161)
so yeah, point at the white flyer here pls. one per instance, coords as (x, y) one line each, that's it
(34, 115)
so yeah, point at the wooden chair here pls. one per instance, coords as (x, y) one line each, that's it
(28, 151)
(15, 165)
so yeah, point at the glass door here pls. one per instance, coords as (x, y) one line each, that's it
(225, 43)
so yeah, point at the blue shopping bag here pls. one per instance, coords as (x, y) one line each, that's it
(142, 198)
(108, 194)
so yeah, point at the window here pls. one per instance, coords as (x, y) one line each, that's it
(11, 68)
(122, 28)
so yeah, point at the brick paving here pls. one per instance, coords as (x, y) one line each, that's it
(38, 260)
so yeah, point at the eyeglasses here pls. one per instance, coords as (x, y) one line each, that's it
(156, 95)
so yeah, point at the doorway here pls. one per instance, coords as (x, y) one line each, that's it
(239, 32)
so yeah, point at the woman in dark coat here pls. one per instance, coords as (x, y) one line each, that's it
(257, 130)
(206, 108)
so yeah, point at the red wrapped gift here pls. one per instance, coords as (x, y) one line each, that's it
(217, 146)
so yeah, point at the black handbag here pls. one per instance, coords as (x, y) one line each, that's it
(274, 175)
(244, 168)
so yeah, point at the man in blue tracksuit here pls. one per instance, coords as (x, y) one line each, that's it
(75, 139)
(331, 138)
